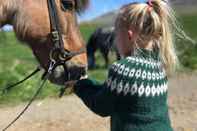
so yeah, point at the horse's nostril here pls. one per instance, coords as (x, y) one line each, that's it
(83, 69)
(77, 71)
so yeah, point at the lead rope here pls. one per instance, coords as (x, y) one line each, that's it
(8, 88)
(51, 67)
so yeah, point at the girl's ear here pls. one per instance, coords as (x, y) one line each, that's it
(130, 34)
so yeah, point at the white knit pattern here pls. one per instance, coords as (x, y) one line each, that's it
(139, 60)
(138, 73)
(142, 90)
(148, 76)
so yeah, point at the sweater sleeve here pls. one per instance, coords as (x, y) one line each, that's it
(97, 97)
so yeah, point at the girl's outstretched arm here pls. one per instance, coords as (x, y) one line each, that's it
(97, 97)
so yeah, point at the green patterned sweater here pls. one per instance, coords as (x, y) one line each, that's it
(134, 94)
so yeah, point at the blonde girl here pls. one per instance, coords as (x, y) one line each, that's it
(135, 92)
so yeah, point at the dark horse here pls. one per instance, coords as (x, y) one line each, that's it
(102, 39)
(31, 23)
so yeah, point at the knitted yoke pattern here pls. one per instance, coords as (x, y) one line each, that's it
(141, 83)
(141, 75)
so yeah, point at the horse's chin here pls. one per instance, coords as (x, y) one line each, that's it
(60, 77)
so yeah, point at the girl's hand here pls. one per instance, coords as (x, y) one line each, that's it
(84, 77)
(70, 84)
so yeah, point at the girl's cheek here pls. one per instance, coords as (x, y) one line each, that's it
(120, 49)
(118, 44)
(121, 43)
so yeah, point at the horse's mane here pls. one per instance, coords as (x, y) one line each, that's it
(22, 19)
(9, 4)
(81, 5)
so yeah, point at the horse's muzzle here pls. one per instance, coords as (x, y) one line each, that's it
(70, 72)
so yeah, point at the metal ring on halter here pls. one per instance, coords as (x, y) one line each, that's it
(51, 56)
(65, 57)
(51, 65)
(59, 57)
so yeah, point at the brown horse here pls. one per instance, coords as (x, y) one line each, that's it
(31, 23)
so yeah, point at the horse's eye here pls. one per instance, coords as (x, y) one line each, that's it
(67, 5)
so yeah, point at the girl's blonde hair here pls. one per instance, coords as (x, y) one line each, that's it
(154, 22)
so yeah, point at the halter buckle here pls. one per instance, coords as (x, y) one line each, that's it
(55, 36)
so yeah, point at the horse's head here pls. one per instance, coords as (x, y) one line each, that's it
(31, 22)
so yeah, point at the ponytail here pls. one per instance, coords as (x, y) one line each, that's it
(154, 21)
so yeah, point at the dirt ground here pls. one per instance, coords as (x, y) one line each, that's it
(69, 113)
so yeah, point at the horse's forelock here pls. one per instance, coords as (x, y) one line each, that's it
(81, 5)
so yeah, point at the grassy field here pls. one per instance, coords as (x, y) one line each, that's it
(16, 61)
(189, 58)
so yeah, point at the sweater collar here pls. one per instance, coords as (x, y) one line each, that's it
(145, 53)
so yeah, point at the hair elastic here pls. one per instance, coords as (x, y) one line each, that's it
(150, 4)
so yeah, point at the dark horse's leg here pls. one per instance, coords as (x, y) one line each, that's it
(105, 46)
(91, 60)
(91, 49)
(105, 52)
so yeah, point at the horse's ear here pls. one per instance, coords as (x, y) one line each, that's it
(81, 5)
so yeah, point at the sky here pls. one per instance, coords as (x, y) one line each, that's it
(99, 7)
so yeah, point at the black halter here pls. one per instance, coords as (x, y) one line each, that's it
(58, 55)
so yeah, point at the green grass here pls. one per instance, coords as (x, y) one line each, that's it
(87, 29)
(189, 57)
(16, 61)
(189, 21)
